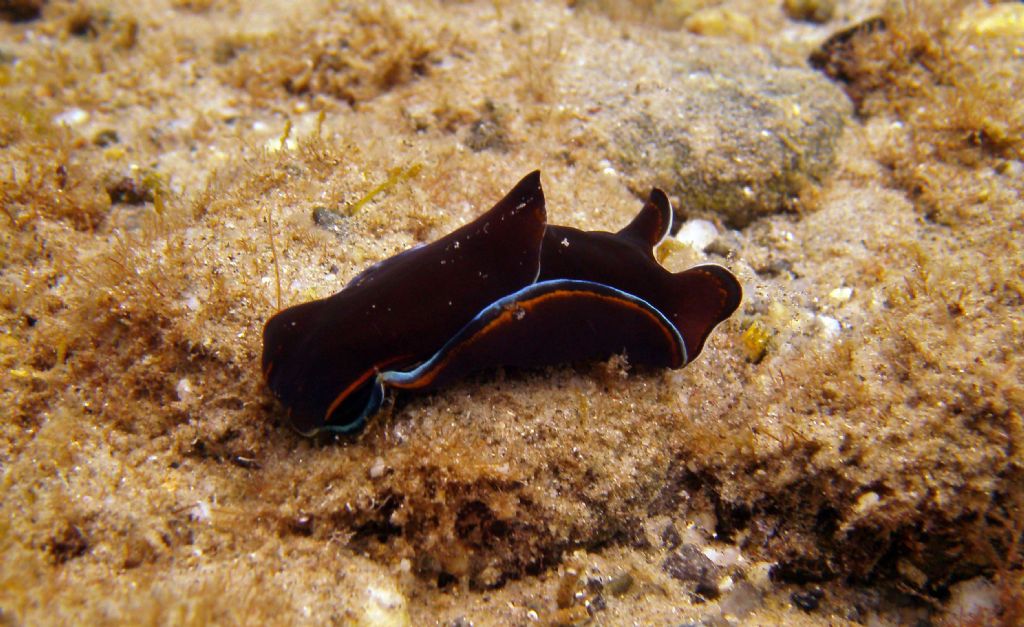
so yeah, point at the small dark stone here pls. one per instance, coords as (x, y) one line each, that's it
(225, 50)
(597, 604)
(67, 545)
(487, 135)
(302, 525)
(807, 600)
(106, 137)
(670, 538)
(817, 11)
(775, 268)
(837, 57)
(689, 564)
(21, 10)
(129, 191)
(802, 570)
(328, 219)
(85, 23)
(720, 247)
(620, 584)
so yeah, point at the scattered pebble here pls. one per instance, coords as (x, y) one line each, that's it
(106, 137)
(1000, 20)
(200, 512)
(689, 564)
(721, 22)
(488, 133)
(378, 468)
(866, 502)
(129, 190)
(277, 144)
(303, 525)
(184, 390)
(911, 573)
(741, 600)
(729, 556)
(329, 219)
(840, 295)
(71, 117)
(817, 11)
(670, 538)
(21, 10)
(192, 301)
(697, 234)
(829, 325)
(974, 597)
(384, 605)
(620, 584)
(807, 600)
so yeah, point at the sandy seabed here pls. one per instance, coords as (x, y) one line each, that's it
(846, 450)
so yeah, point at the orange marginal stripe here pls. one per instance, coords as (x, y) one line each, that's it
(430, 375)
(370, 372)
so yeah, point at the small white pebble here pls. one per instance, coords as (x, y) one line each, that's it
(385, 597)
(726, 557)
(71, 117)
(697, 234)
(378, 468)
(201, 511)
(829, 325)
(840, 295)
(974, 596)
(184, 389)
(276, 145)
(866, 502)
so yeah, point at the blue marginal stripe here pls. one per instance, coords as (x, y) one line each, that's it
(406, 377)
(357, 423)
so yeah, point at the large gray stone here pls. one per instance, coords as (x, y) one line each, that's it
(727, 128)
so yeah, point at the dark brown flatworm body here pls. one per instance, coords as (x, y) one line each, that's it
(695, 300)
(321, 358)
(504, 290)
(549, 323)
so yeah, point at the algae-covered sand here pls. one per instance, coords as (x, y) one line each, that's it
(846, 450)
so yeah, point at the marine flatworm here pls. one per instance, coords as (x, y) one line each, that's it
(504, 290)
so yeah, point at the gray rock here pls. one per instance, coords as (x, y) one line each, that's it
(743, 599)
(729, 129)
(689, 564)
